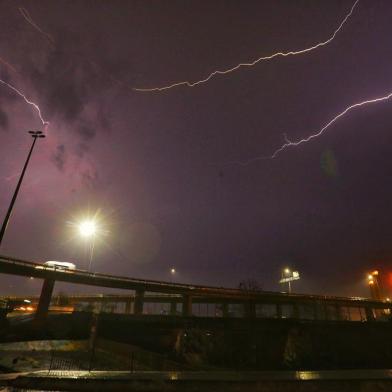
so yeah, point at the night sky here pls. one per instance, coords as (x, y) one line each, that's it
(156, 168)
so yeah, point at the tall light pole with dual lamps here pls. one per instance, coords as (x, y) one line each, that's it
(35, 135)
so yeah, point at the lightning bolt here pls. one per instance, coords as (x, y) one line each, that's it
(33, 104)
(253, 63)
(30, 20)
(8, 65)
(288, 143)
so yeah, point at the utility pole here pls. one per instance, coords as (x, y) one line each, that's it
(35, 135)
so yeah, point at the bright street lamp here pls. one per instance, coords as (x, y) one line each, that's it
(374, 286)
(87, 228)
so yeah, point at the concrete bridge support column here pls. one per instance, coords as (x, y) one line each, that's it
(128, 306)
(369, 314)
(295, 311)
(187, 305)
(173, 308)
(338, 312)
(138, 304)
(225, 309)
(278, 310)
(250, 309)
(44, 300)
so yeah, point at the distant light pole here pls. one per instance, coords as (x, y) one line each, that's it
(35, 135)
(374, 285)
(288, 276)
(172, 274)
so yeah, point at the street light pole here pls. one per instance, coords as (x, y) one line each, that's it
(35, 135)
(88, 229)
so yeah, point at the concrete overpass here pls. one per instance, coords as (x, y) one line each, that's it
(319, 307)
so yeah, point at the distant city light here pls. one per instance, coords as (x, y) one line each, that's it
(172, 271)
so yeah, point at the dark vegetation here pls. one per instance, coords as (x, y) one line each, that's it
(230, 343)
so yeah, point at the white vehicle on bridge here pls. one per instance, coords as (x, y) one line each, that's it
(57, 265)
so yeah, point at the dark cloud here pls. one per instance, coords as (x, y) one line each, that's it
(68, 82)
(59, 157)
(155, 165)
(3, 120)
(329, 163)
(90, 179)
(4, 74)
(81, 149)
(86, 131)
(103, 118)
(61, 83)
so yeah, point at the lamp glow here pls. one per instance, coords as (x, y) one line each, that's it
(87, 229)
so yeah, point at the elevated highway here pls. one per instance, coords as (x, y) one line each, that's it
(321, 307)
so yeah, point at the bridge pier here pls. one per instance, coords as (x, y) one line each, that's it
(338, 312)
(187, 305)
(225, 309)
(138, 304)
(173, 308)
(44, 300)
(278, 310)
(295, 310)
(128, 306)
(250, 309)
(369, 314)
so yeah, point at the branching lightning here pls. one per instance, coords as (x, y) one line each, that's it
(33, 104)
(30, 20)
(253, 63)
(8, 65)
(288, 143)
